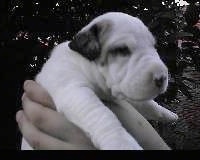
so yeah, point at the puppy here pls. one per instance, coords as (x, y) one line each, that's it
(112, 59)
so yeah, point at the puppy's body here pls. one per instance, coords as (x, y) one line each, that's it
(111, 59)
(76, 86)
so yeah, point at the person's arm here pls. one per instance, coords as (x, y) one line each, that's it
(49, 128)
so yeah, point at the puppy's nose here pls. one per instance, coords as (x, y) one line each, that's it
(159, 81)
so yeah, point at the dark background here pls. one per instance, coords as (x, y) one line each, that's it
(30, 29)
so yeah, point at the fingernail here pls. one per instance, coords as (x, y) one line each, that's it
(19, 116)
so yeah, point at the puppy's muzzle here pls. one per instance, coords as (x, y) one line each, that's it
(159, 81)
(159, 76)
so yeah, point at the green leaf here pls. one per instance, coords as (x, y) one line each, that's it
(184, 34)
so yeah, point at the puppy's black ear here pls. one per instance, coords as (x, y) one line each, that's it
(87, 43)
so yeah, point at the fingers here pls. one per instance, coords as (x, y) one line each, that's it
(53, 123)
(39, 140)
(47, 120)
(38, 94)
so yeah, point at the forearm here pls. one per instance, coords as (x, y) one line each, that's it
(139, 127)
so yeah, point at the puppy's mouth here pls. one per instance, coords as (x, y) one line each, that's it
(140, 99)
(123, 96)
(144, 97)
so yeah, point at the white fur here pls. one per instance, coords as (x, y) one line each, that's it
(77, 85)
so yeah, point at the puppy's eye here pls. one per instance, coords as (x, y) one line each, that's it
(120, 50)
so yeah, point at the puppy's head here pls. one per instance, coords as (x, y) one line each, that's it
(123, 49)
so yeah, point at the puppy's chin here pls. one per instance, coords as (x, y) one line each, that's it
(146, 97)
(139, 95)
(122, 96)
(118, 94)
(142, 98)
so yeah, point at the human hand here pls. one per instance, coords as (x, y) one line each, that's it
(45, 128)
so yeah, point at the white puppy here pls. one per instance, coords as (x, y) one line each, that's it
(111, 59)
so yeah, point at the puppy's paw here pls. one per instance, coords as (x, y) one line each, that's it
(168, 116)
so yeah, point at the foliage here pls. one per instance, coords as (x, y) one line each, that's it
(44, 25)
